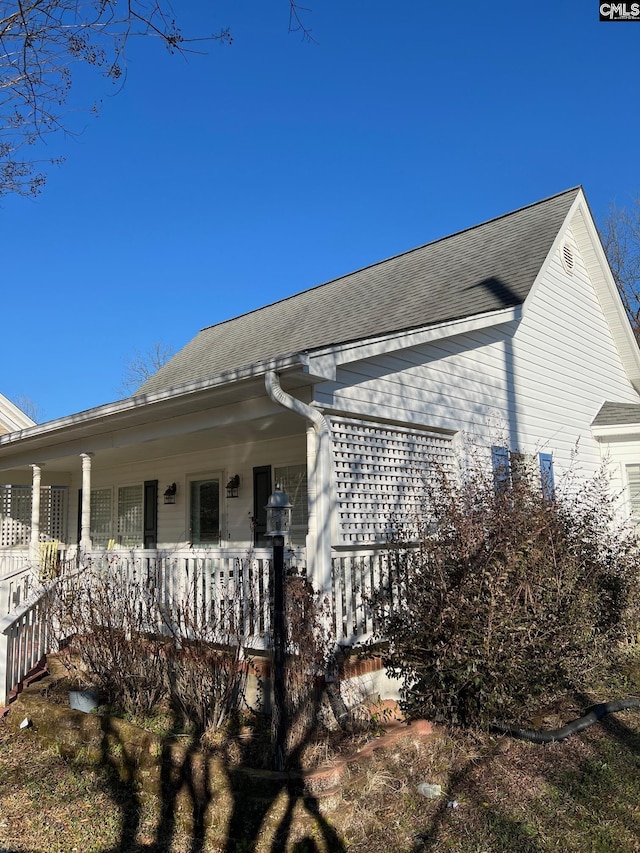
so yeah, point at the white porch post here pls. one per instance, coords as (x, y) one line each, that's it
(34, 541)
(319, 483)
(85, 511)
(312, 493)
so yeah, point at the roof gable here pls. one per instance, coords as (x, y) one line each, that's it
(482, 269)
(617, 414)
(12, 418)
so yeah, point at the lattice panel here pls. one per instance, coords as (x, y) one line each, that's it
(380, 472)
(57, 521)
(15, 514)
(101, 528)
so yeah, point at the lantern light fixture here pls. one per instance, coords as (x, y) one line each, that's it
(278, 514)
(170, 494)
(233, 486)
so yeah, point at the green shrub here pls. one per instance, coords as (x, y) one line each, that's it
(502, 598)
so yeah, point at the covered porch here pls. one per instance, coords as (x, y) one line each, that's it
(232, 589)
(190, 470)
(170, 492)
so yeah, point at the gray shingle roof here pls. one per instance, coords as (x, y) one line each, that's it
(481, 269)
(617, 414)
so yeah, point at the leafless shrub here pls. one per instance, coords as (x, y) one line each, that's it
(141, 650)
(309, 648)
(108, 618)
(508, 596)
(206, 669)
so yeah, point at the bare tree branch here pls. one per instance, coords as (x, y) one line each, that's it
(142, 365)
(29, 407)
(620, 233)
(296, 23)
(42, 41)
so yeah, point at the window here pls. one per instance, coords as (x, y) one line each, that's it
(204, 520)
(130, 516)
(633, 482)
(101, 529)
(509, 466)
(126, 528)
(500, 463)
(292, 479)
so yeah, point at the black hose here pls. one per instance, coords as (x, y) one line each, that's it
(592, 715)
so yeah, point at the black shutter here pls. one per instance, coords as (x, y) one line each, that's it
(150, 513)
(261, 493)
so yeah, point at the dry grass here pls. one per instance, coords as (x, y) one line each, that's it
(579, 796)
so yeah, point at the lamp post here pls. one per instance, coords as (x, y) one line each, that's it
(278, 527)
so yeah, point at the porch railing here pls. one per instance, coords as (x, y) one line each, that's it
(12, 561)
(184, 591)
(15, 588)
(23, 641)
(227, 589)
(355, 577)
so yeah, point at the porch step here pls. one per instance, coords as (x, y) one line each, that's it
(35, 674)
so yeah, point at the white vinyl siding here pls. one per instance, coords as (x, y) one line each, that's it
(534, 383)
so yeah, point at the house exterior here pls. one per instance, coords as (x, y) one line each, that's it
(510, 335)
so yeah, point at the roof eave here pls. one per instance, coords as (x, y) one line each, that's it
(98, 415)
(357, 350)
(611, 432)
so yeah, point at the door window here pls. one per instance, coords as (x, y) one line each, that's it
(205, 511)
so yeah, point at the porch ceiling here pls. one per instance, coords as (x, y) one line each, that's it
(215, 418)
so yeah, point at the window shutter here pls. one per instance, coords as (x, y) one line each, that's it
(546, 475)
(633, 481)
(150, 513)
(500, 466)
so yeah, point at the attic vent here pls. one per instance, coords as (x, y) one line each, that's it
(568, 261)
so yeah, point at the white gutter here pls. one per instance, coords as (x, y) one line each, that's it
(319, 482)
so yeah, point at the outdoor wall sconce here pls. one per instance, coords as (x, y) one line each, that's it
(232, 486)
(170, 494)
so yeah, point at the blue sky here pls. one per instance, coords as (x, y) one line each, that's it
(209, 187)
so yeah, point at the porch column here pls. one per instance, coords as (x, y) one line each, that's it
(312, 493)
(85, 510)
(34, 542)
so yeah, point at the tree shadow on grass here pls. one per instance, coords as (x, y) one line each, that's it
(588, 784)
(497, 827)
(196, 791)
(255, 794)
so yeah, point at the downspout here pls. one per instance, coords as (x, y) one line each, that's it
(319, 483)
